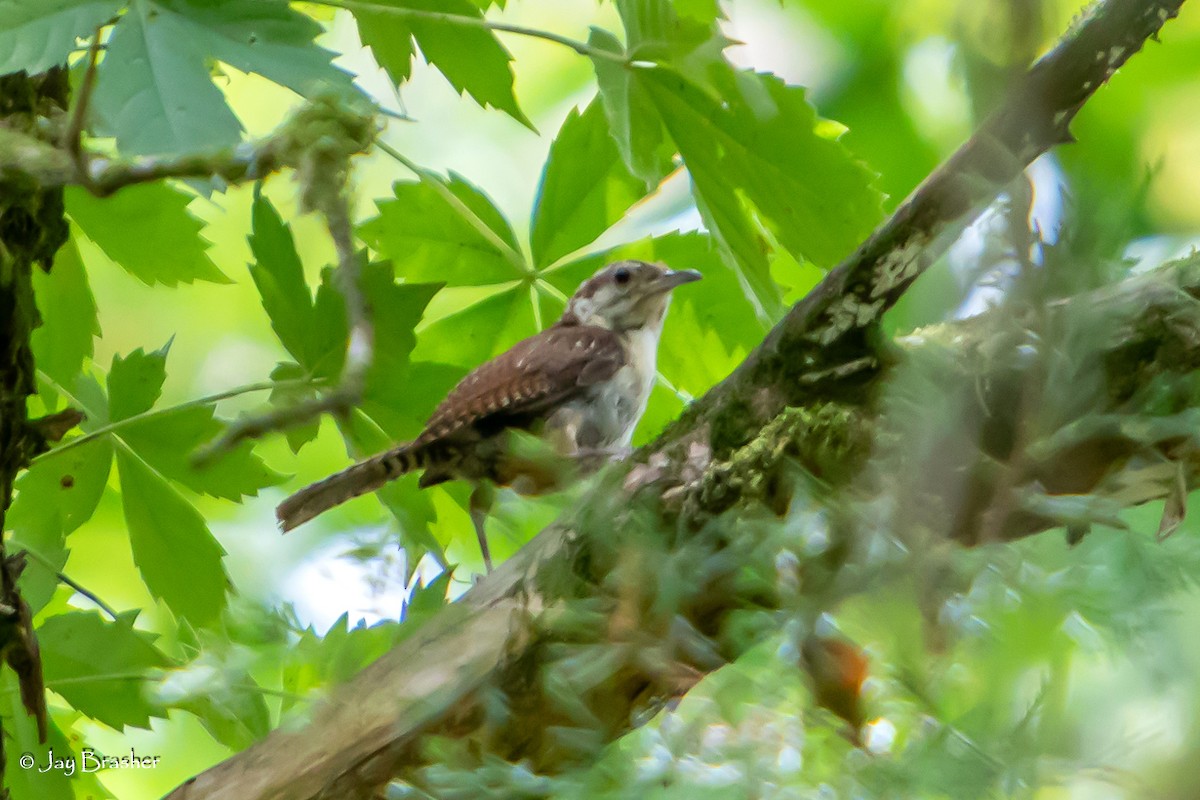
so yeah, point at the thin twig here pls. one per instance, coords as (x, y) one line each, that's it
(583, 48)
(66, 581)
(73, 136)
(360, 350)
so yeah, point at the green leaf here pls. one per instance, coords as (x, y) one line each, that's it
(758, 154)
(135, 382)
(390, 40)
(468, 55)
(397, 308)
(402, 414)
(764, 139)
(154, 92)
(683, 36)
(316, 333)
(705, 11)
(317, 662)
(54, 497)
(766, 172)
(425, 600)
(20, 737)
(329, 331)
(68, 312)
(585, 187)
(632, 117)
(446, 231)
(37, 36)
(266, 37)
(148, 230)
(155, 82)
(92, 400)
(177, 556)
(279, 275)
(669, 32)
(88, 661)
(166, 441)
(469, 337)
(473, 204)
(235, 712)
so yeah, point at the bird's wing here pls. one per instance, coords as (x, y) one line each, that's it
(535, 374)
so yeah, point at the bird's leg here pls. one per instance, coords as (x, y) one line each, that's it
(482, 497)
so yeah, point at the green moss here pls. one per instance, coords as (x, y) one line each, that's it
(730, 425)
(319, 141)
(829, 440)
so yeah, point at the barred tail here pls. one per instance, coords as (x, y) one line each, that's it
(365, 476)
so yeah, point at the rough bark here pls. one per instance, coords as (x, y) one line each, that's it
(582, 634)
(32, 228)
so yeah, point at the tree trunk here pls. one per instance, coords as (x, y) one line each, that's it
(32, 229)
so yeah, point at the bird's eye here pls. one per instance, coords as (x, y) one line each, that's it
(621, 276)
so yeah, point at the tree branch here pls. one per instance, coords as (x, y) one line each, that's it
(831, 329)
(28, 160)
(586, 589)
(582, 634)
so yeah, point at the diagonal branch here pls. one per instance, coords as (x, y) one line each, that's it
(825, 341)
(569, 640)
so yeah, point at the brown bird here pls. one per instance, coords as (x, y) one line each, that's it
(581, 385)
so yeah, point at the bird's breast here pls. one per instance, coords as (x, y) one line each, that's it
(605, 416)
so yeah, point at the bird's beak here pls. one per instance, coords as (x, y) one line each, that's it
(677, 277)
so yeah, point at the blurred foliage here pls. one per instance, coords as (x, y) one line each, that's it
(754, 140)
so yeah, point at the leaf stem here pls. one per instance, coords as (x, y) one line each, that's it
(537, 307)
(66, 581)
(582, 48)
(550, 290)
(113, 427)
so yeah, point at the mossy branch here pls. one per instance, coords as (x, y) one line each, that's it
(326, 126)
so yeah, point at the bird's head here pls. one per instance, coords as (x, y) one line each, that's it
(626, 295)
